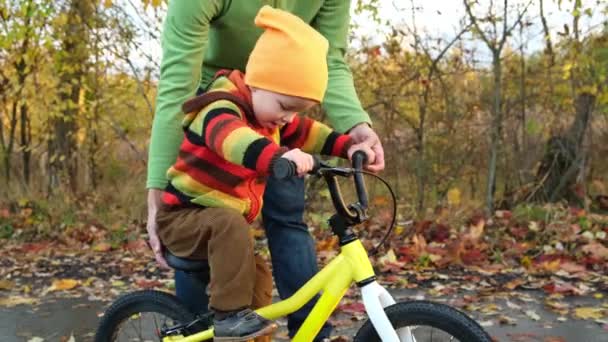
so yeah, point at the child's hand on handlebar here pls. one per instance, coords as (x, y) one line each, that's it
(371, 156)
(304, 161)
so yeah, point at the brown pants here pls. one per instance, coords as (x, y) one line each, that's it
(238, 278)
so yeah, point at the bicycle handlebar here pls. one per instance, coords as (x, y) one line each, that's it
(354, 213)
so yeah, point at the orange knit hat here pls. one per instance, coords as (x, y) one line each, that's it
(290, 57)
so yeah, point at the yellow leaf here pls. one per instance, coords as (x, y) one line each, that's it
(399, 230)
(526, 261)
(550, 266)
(63, 284)
(454, 196)
(118, 283)
(388, 257)
(89, 281)
(589, 313)
(156, 3)
(107, 3)
(102, 247)
(16, 300)
(6, 284)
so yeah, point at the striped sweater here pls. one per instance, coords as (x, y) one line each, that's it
(225, 155)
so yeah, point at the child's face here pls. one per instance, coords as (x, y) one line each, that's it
(273, 109)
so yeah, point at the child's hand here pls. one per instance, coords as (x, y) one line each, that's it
(371, 156)
(304, 161)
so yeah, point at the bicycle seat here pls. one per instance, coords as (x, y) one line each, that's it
(185, 264)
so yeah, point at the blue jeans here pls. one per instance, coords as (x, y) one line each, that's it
(292, 250)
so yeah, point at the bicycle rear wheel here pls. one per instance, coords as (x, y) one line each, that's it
(429, 322)
(140, 316)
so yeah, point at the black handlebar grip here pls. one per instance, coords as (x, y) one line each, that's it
(284, 168)
(359, 159)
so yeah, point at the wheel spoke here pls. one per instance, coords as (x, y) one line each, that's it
(147, 328)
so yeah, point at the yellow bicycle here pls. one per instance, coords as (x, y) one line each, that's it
(158, 316)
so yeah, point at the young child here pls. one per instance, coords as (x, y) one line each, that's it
(234, 133)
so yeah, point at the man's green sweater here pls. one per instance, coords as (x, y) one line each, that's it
(201, 37)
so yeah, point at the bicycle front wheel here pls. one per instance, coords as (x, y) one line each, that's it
(141, 316)
(428, 322)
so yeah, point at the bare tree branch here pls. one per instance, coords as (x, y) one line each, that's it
(549, 44)
(517, 21)
(476, 24)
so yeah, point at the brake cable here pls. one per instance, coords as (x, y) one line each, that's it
(392, 225)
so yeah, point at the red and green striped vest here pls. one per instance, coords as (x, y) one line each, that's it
(225, 155)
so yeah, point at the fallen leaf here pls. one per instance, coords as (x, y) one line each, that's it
(389, 257)
(513, 305)
(4, 213)
(118, 283)
(137, 246)
(419, 244)
(533, 226)
(352, 308)
(562, 288)
(486, 323)
(17, 300)
(572, 267)
(26, 289)
(476, 230)
(63, 284)
(6, 284)
(68, 339)
(533, 315)
(506, 320)
(554, 339)
(148, 284)
(596, 249)
(589, 313)
(102, 247)
(515, 283)
(34, 247)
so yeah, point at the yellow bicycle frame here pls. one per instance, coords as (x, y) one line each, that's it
(352, 264)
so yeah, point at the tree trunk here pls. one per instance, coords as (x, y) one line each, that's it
(522, 92)
(563, 159)
(420, 163)
(496, 131)
(26, 139)
(11, 143)
(73, 68)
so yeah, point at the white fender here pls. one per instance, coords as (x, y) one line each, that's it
(376, 298)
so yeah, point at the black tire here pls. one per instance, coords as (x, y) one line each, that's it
(138, 302)
(424, 313)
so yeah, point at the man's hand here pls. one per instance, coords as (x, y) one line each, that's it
(154, 200)
(363, 134)
(371, 155)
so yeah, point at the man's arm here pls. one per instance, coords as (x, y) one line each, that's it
(341, 101)
(184, 40)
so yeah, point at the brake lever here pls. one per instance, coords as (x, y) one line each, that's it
(338, 171)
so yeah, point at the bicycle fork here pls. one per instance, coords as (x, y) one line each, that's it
(376, 298)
